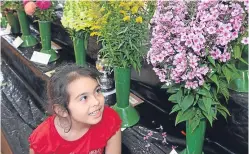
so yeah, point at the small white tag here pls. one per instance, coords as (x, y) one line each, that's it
(122, 129)
(173, 152)
(17, 42)
(8, 28)
(41, 58)
(6, 31)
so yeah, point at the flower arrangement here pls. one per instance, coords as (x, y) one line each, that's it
(191, 53)
(42, 9)
(80, 17)
(125, 33)
(11, 5)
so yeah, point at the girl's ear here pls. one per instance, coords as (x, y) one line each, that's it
(60, 111)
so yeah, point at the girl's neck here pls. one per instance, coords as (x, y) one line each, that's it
(70, 130)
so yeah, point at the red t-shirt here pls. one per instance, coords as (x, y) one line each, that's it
(46, 140)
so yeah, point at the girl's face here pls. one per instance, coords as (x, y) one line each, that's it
(86, 102)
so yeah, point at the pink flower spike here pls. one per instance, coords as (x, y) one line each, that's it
(43, 4)
(245, 40)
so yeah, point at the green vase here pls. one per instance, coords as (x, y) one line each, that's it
(241, 84)
(79, 51)
(45, 34)
(28, 39)
(127, 113)
(4, 21)
(195, 139)
(13, 21)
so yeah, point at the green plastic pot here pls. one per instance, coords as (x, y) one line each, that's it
(45, 34)
(195, 139)
(241, 84)
(4, 21)
(13, 21)
(127, 113)
(79, 51)
(28, 39)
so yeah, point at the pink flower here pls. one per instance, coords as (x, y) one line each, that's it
(215, 54)
(25, 2)
(30, 8)
(245, 40)
(211, 30)
(43, 4)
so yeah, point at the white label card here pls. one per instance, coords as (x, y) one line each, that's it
(6, 31)
(17, 42)
(173, 152)
(41, 58)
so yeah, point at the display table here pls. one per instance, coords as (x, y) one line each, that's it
(24, 107)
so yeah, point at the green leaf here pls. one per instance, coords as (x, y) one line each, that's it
(224, 89)
(214, 78)
(202, 106)
(194, 123)
(237, 51)
(221, 107)
(243, 61)
(227, 73)
(165, 86)
(207, 103)
(196, 99)
(179, 96)
(209, 117)
(173, 98)
(223, 113)
(184, 116)
(211, 60)
(204, 92)
(175, 108)
(173, 89)
(187, 102)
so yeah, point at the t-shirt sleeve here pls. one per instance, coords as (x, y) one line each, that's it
(39, 139)
(114, 122)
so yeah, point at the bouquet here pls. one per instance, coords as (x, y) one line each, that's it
(81, 17)
(125, 33)
(42, 9)
(11, 5)
(191, 53)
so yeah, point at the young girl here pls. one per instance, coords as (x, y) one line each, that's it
(81, 123)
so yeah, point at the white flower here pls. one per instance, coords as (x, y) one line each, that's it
(245, 40)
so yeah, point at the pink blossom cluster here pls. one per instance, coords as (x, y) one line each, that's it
(186, 33)
(30, 5)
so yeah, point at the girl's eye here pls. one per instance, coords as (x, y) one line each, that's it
(98, 90)
(83, 98)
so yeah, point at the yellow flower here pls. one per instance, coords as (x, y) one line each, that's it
(139, 19)
(134, 9)
(94, 33)
(122, 12)
(127, 18)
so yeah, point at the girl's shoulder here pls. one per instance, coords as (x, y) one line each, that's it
(109, 124)
(42, 135)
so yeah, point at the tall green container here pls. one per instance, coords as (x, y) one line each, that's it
(13, 21)
(79, 51)
(45, 34)
(127, 113)
(241, 84)
(28, 39)
(4, 21)
(195, 139)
